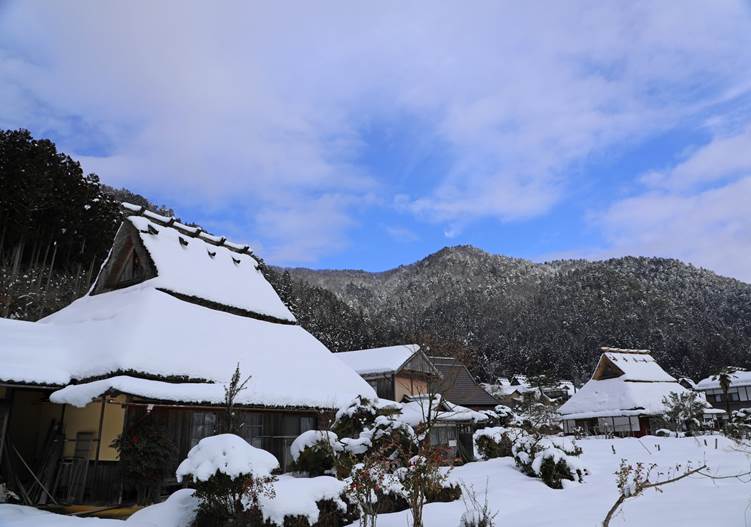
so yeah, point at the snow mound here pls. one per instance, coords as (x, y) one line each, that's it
(177, 510)
(228, 454)
(298, 497)
(310, 438)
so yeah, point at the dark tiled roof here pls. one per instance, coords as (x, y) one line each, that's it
(458, 386)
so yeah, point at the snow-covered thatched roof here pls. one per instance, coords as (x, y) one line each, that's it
(387, 360)
(189, 262)
(614, 397)
(625, 382)
(178, 336)
(636, 365)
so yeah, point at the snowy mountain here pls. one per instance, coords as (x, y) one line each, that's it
(517, 315)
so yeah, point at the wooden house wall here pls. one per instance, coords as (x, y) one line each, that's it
(405, 384)
(418, 363)
(273, 431)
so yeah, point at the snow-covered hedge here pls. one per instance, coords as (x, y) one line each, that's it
(225, 454)
(496, 441)
(230, 477)
(739, 427)
(552, 459)
(303, 502)
(360, 414)
(315, 452)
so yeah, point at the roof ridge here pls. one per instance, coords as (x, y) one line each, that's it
(607, 349)
(187, 230)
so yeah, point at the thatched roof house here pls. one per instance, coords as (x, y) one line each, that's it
(624, 395)
(171, 314)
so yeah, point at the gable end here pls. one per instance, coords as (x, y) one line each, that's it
(606, 369)
(129, 263)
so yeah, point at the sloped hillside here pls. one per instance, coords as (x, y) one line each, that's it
(514, 314)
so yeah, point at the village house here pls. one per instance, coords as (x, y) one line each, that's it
(429, 388)
(623, 397)
(452, 427)
(738, 395)
(394, 372)
(457, 385)
(171, 314)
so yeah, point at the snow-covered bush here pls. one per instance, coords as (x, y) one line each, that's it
(739, 427)
(367, 484)
(552, 459)
(230, 476)
(684, 411)
(541, 418)
(307, 502)
(360, 414)
(496, 441)
(386, 436)
(420, 478)
(315, 452)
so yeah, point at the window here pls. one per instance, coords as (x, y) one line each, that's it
(442, 435)
(203, 424)
(250, 427)
(383, 386)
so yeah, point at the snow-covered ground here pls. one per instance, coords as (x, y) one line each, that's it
(526, 502)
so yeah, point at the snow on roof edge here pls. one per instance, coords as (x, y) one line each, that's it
(193, 232)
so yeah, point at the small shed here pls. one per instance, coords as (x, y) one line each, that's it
(452, 427)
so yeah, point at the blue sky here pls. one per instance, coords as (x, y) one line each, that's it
(353, 135)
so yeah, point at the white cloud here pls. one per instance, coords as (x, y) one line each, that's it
(698, 211)
(262, 105)
(401, 234)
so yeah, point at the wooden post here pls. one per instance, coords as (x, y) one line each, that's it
(4, 418)
(101, 424)
(99, 440)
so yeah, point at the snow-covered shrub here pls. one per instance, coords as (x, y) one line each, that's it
(230, 476)
(664, 432)
(739, 427)
(368, 482)
(552, 459)
(146, 453)
(541, 418)
(684, 411)
(387, 435)
(315, 452)
(419, 478)
(307, 502)
(360, 414)
(495, 441)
